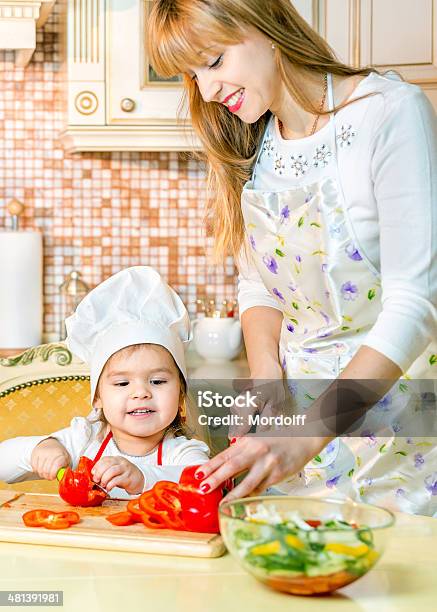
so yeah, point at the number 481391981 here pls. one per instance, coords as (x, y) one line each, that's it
(18, 598)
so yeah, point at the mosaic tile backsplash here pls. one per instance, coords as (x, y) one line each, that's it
(98, 212)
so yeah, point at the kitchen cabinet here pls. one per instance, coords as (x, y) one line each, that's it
(388, 34)
(116, 102)
(19, 20)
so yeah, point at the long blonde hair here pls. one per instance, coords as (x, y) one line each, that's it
(177, 33)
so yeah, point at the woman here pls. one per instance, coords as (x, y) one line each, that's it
(324, 183)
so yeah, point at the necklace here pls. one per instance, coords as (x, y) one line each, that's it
(322, 104)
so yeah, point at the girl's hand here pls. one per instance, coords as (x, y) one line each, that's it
(111, 472)
(268, 461)
(48, 457)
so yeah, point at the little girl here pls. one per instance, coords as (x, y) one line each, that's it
(131, 330)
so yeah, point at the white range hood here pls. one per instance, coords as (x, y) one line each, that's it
(19, 20)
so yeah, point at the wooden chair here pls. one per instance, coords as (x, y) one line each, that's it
(41, 390)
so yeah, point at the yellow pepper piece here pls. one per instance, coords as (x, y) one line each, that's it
(344, 549)
(294, 541)
(372, 556)
(266, 549)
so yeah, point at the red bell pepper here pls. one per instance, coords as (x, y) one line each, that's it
(133, 507)
(120, 519)
(313, 523)
(161, 507)
(50, 519)
(181, 506)
(77, 487)
(167, 496)
(199, 510)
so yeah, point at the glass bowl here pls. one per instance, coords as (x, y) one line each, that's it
(273, 541)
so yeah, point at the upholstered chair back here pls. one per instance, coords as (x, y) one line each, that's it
(41, 390)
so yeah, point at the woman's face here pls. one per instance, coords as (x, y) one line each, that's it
(243, 77)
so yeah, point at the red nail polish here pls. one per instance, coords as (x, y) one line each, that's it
(205, 487)
(199, 475)
(233, 440)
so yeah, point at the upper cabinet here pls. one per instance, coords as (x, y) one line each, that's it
(19, 20)
(117, 102)
(387, 34)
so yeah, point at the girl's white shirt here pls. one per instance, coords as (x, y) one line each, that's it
(80, 438)
(387, 159)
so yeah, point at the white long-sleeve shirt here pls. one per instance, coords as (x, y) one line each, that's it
(80, 439)
(389, 180)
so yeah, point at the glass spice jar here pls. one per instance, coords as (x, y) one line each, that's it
(72, 291)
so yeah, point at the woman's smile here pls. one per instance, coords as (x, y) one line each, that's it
(235, 102)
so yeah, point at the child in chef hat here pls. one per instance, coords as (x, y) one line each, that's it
(131, 330)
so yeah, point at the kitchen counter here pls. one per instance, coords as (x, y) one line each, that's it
(404, 579)
(200, 368)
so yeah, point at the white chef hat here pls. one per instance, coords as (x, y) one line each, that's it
(134, 306)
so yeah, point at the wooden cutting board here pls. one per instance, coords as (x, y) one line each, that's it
(94, 531)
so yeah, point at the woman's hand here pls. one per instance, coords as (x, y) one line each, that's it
(268, 396)
(48, 457)
(268, 461)
(111, 472)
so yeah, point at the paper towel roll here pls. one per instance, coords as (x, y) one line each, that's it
(21, 304)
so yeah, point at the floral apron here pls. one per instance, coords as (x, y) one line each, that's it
(303, 246)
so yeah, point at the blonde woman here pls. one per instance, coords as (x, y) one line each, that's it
(323, 183)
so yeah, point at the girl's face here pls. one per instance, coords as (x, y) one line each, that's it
(138, 391)
(243, 77)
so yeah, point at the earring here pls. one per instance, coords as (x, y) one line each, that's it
(273, 46)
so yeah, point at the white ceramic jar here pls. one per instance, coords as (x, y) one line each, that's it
(217, 339)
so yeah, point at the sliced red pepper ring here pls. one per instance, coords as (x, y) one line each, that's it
(167, 496)
(153, 522)
(54, 522)
(49, 519)
(172, 520)
(134, 509)
(171, 505)
(35, 518)
(150, 515)
(71, 517)
(156, 515)
(146, 501)
(121, 519)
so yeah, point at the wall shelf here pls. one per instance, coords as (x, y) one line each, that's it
(19, 20)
